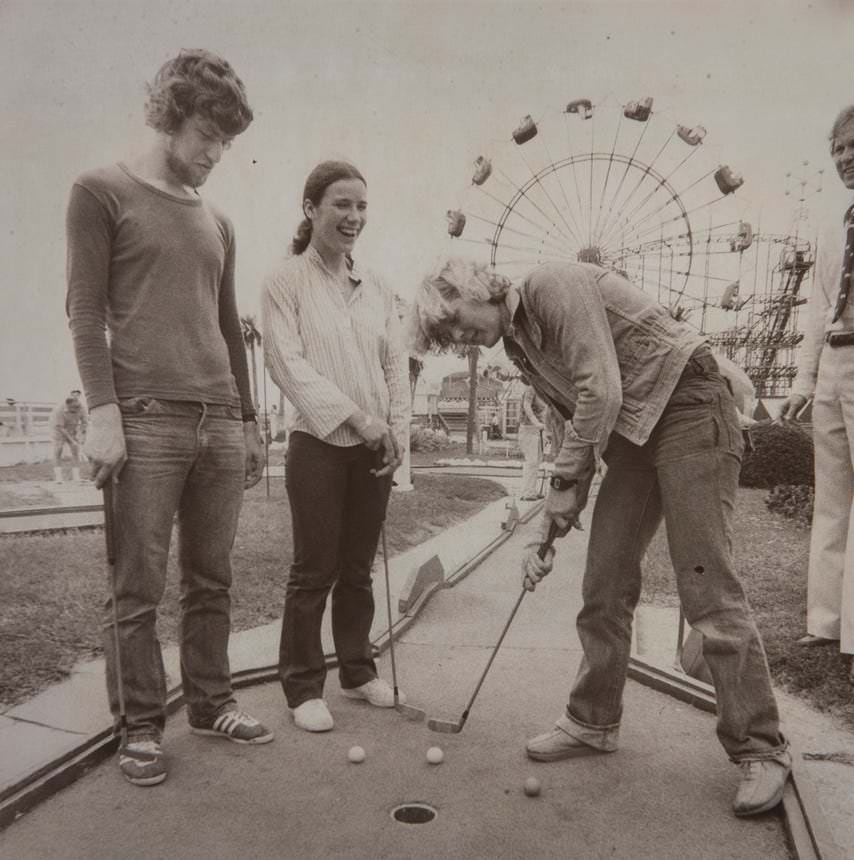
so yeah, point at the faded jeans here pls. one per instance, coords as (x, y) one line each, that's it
(189, 459)
(337, 509)
(687, 473)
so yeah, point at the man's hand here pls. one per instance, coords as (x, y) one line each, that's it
(535, 568)
(105, 443)
(791, 407)
(563, 507)
(254, 455)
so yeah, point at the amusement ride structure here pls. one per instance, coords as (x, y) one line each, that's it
(623, 186)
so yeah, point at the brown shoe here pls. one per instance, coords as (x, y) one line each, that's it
(810, 641)
(763, 782)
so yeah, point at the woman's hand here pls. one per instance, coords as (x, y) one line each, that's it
(377, 435)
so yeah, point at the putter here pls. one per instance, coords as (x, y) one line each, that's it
(109, 536)
(408, 711)
(450, 727)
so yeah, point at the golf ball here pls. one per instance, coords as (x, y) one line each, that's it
(356, 755)
(532, 786)
(435, 755)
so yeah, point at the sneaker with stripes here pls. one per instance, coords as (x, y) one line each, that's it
(141, 762)
(235, 725)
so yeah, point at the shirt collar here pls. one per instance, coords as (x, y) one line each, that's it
(512, 302)
(354, 274)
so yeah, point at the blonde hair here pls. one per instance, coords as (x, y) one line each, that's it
(432, 317)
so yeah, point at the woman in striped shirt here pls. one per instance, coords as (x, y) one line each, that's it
(332, 344)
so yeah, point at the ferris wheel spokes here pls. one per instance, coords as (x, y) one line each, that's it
(544, 190)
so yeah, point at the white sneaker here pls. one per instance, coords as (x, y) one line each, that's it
(377, 692)
(313, 716)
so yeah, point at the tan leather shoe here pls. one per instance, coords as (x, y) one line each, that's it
(810, 641)
(557, 745)
(763, 782)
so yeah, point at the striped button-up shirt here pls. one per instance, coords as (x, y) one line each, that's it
(332, 356)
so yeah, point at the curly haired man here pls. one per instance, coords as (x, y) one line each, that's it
(153, 315)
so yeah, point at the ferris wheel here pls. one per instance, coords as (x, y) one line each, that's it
(621, 185)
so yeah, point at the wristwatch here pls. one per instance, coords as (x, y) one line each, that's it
(558, 483)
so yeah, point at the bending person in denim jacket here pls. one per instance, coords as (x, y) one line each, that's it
(643, 391)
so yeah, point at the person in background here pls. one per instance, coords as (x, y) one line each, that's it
(67, 427)
(644, 392)
(531, 429)
(332, 345)
(153, 315)
(826, 373)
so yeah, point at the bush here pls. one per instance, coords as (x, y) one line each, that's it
(793, 501)
(782, 455)
(425, 439)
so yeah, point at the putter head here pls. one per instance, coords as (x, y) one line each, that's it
(447, 727)
(410, 712)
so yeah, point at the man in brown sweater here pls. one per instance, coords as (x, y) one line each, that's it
(172, 428)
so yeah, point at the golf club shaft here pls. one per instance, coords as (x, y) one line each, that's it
(541, 552)
(388, 609)
(110, 539)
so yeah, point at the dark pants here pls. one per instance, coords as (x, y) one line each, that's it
(337, 509)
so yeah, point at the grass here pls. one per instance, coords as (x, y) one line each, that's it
(53, 586)
(771, 555)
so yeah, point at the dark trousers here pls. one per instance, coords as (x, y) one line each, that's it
(337, 509)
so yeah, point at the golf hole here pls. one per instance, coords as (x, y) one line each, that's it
(413, 813)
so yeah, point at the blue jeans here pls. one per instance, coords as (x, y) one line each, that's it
(189, 459)
(337, 509)
(687, 473)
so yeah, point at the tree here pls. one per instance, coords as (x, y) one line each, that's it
(416, 365)
(251, 339)
(472, 353)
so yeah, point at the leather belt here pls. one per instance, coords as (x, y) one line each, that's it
(839, 338)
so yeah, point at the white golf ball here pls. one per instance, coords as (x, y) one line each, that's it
(435, 755)
(356, 755)
(532, 786)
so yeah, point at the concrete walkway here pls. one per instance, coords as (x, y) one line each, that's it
(666, 793)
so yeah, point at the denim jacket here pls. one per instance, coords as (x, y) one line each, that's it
(600, 351)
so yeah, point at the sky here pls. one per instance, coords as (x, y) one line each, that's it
(411, 92)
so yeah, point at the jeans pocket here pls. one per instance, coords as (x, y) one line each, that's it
(729, 429)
